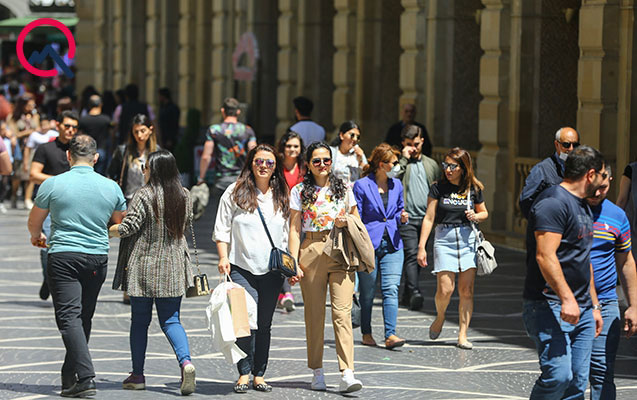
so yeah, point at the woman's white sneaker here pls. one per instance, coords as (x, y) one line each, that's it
(349, 383)
(318, 380)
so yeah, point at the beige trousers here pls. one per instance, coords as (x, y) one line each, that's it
(320, 271)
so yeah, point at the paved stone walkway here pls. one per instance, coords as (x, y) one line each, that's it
(502, 365)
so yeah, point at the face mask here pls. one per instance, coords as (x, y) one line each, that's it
(563, 156)
(393, 172)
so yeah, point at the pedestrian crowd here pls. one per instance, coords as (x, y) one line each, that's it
(350, 222)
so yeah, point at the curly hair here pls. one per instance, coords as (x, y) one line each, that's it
(308, 193)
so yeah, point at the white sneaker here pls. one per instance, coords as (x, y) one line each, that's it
(349, 383)
(318, 380)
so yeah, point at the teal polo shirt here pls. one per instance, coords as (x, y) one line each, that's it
(80, 203)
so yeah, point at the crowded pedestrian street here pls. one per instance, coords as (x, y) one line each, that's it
(502, 365)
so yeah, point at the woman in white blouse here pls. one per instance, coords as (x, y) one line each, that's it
(348, 159)
(318, 204)
(239, 235)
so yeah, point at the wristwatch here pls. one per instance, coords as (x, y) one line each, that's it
(597, 307)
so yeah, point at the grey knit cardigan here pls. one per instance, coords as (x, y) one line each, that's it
(151, 263)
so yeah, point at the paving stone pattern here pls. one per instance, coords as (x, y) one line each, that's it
(503, 364)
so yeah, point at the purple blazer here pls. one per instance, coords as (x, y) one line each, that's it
(373, 213)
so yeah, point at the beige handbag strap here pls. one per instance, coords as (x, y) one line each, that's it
(121, 172)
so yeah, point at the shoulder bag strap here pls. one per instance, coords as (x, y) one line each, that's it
(121, 171)
(194, 244)
(266, 227)
(473, 224)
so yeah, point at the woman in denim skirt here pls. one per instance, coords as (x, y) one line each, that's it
(453, 205)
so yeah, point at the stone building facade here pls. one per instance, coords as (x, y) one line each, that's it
(498, 77)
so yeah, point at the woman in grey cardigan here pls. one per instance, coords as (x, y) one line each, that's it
(155, 266)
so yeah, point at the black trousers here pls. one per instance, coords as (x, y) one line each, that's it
(265, 290)
(75, 280)
(410, 233)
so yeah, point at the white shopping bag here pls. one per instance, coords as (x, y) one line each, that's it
(220, 320)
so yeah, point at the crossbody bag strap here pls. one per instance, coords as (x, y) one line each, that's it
(194, 244)
(121, 172)
(266, 227)
(473, 224)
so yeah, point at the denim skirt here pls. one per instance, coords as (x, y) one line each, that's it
(454, 248)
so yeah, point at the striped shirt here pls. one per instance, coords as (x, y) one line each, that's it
(611, 234)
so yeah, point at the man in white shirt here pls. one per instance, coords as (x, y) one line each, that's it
(309, 130)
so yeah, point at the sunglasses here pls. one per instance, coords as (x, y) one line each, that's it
(604, 174)
(269, 163)
(354, 136)
(69, 126)
(394, 163)
(567, 145)
(317, 162)
(452, 167)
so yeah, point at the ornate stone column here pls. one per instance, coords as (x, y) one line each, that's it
(287, 63)
(90, 44)
(343, 104)
(153, 60)
(119, 44)
(493, 158)
(597, 83)
(203, 35)
(186, 54)
(222, 39)
(624, 105)
(413, 38)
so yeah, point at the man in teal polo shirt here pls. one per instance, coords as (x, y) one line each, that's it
(81, 203)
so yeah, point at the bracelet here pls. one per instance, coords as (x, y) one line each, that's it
(597, 307)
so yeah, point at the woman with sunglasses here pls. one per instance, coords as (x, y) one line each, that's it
(379, 197)
(316, 206)
(454, 203)
(348, 158)
(156, 267)
(291, 150)
(239, 234)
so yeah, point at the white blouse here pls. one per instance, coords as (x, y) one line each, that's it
(345, 166)
(248, 244)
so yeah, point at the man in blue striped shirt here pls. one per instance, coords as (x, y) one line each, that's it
(611, 253)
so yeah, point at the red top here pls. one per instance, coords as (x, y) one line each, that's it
(293, 177)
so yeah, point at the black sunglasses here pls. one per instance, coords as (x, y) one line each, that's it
(318, 161)
(452, 167)
(354, 136)
(69, 126)
(567, 145)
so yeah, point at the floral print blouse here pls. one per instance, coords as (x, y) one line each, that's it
(320, 216)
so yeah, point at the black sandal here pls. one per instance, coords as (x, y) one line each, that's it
(262, 387)
(241, 388)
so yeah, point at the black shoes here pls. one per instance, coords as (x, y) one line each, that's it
(416, 301)
(44, 291)
(80, 389)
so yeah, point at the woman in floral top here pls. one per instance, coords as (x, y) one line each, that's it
(318, 204)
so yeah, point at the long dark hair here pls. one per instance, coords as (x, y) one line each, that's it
(345, 127)
(468, 179)
(131, 144)
(165, 175)
(245, 192)
(20, 105)
(308, 193)
(300, 160)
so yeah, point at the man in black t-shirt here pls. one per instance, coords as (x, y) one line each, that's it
(561, 311)
(98, 126)
(50, 160)
(394, 133)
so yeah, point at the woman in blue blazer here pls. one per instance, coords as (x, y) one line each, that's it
(379, 197)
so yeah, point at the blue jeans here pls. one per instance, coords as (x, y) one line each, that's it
(389, 267)
(168, 314)
(564, 349)
(604, 352)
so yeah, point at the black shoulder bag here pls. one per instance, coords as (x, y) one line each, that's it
(280, 261)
